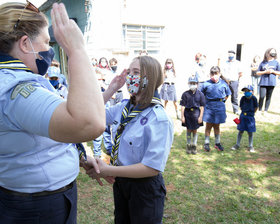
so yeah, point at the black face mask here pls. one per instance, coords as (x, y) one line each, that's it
(114, 68)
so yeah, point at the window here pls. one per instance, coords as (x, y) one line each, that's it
(143, 38)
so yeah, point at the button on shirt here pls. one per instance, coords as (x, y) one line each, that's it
(231, 70)
(268, 79)
(146, 139)
(30, 161)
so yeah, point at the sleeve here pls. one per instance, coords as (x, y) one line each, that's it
(260, 68)
(159, 136)
(112, 111)
(182, 101)
(202, 100)
(30, 108)
(277, 66)
(241, 102)
(228, 92)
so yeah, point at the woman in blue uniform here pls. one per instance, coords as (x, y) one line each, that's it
(192, 108)
(216, 92)
(142, 140)
(38, 163)
(268, 70)
(249, 106)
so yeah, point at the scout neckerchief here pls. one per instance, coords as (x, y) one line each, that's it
(8, 62)
(127, 115)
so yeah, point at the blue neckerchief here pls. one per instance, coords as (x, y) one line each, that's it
(8, 62)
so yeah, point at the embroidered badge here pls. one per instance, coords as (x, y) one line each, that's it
(24, 89)
(144, 121)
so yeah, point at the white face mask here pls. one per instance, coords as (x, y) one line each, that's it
(193, 87)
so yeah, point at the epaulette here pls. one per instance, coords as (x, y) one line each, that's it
(160, 112)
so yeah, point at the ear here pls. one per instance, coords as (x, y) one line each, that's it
(24, 44)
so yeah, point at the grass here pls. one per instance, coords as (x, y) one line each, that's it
(216, 187)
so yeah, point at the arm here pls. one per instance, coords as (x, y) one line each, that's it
(117, 83)
(131, 171)
(182, 114)
(82, 117)
(200, 115)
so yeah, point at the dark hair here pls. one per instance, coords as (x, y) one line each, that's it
(113, 60)
(30, 24)
(267, 54)
(215, 69)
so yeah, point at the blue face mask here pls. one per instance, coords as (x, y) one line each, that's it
(44, 63)
(231, 58)
(55, 83)
(248, 94)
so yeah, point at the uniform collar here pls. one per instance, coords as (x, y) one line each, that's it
(8, 62)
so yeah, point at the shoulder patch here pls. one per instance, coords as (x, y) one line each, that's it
(24, 89)
(160, 113)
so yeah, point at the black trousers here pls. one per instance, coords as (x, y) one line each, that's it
(139, 201)
(60, 208)
(265, 91)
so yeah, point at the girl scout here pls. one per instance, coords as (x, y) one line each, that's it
(142, 142)
(216, 92)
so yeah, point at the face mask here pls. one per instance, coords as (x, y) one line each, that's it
(94, 63)
(248, 94)
(132, 83)
(103, 64)
(44, 63)
(55, 83)
(215, 78)
(169, 66)
(231, 58)
(273, 55)
(114, 68)
(193, 87)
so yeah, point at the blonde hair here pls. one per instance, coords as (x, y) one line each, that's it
(150, 69)
(30, 24)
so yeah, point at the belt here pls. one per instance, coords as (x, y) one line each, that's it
(191, 109)
(144, 179)
(218, 99)
(38, 194)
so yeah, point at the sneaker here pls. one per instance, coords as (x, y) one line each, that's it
(207, 147)
(219, 147)
(194, 150)
(189, 149)
(235, 147)
(251, 149)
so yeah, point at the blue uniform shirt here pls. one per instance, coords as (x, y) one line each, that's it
(190, 100)
(146, 139)
(30, 161)
(248, 105)
(217, 90)
(268, 79)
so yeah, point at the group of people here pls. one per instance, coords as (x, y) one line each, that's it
(206, 97)
(41, 132)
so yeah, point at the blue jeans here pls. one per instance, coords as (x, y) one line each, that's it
(255, 84)
(106, 136)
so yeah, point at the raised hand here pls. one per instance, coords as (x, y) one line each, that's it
(66, 31)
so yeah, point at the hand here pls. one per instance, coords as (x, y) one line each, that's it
(183, 119)
(94, 175)
(66, 31)
(118, 81)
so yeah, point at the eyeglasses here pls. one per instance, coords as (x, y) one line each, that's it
(29, 6)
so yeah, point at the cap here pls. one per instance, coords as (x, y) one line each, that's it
(249, 87)
(193, 79)
(231, 51)
(53, 72)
